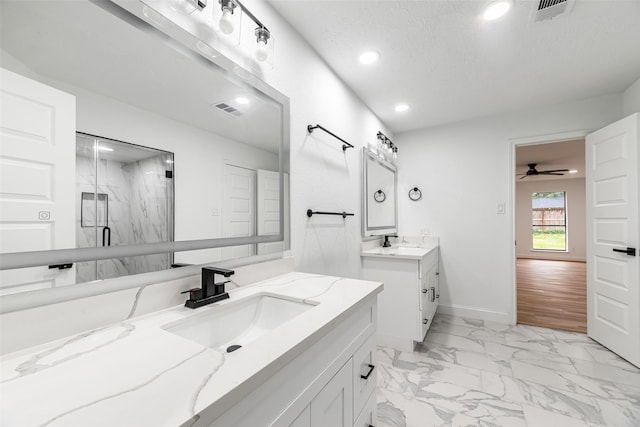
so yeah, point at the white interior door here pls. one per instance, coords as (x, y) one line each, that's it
(613, 294)
(239, 209)
(269, 209)
(37, 178)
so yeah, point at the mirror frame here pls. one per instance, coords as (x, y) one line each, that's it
(368, 231)
(185, 42)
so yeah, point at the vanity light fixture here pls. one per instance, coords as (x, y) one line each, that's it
(401, 108)
(369, 57)
(497, 9)
(227, 26)
(187, 7)
(386, 149)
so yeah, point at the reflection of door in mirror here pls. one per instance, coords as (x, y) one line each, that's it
(37, 172)
(124, 196)
(239, 204)
(251, 203)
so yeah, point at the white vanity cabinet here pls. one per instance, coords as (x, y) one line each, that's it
(330, 384)
(408, 303)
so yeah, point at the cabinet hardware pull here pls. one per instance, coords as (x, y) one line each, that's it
(438, 296)
(425, 321)
(628, 251)
(433, 294)
(61, 266)
(424, 291)
(366, 377)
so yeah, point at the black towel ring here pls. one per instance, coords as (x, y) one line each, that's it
(379, 196)
(415, 194)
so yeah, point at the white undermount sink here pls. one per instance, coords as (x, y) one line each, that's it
(237, 323)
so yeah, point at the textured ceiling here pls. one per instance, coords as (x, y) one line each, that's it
(449, 65)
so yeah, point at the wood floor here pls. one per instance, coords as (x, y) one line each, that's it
(552, 294)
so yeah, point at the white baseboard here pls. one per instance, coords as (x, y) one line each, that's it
(475, 313)
(552, 257)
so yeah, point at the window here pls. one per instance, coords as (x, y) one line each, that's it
(549, 221)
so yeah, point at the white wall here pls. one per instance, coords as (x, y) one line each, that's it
(631, 99)
(576, 218)
(323, 177)
(463, 170)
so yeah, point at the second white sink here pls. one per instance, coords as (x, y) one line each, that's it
(237, 323)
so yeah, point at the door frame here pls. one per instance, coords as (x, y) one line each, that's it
(513, 144)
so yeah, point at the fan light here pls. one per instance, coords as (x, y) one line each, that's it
(573, 171)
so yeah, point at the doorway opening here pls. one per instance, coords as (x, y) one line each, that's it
(550, 230)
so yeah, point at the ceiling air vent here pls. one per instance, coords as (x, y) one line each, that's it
(549, 9)
(228, 108)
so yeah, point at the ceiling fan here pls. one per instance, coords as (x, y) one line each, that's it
(533, 171)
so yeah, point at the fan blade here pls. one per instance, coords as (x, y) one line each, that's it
(555, 170)
(524, 177)
(549, 173)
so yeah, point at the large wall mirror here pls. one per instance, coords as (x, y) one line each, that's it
(125, 152)
(380, 201)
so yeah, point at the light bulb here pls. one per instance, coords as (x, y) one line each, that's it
(261, 51)
(226, 21)
(395, 155)
(497, 9)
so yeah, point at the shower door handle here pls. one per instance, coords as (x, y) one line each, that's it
(106, 236)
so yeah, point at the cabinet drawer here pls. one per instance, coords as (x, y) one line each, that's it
(364, 374)
(368, 415)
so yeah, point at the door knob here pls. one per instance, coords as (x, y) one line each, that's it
(628, 251)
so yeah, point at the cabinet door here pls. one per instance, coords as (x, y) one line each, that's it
(303, 420)
(333, 406)
(368, 416)
(364, 374)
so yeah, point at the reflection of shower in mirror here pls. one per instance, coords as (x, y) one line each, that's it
(134, 204)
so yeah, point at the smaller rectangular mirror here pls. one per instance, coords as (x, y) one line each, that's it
(380, 201)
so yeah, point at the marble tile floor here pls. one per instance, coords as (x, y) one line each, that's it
(476, 373)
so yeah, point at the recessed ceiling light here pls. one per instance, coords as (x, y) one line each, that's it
(573, 171)
(497, 9)
(369, 57)
(242, 100)
(401, 108)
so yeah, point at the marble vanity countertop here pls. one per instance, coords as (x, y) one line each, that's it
(135, 373)
(411, 251)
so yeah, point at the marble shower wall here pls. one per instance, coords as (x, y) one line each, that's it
(150, 210)
(138, 212)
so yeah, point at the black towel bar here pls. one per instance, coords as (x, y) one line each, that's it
(345, 143)
(310, 213)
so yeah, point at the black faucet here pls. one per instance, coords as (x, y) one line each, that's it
(210, 291)
(387, 243)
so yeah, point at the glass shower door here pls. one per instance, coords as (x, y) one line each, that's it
(125, 194)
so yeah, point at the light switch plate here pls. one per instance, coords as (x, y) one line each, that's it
(501, 208)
